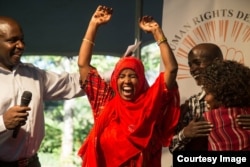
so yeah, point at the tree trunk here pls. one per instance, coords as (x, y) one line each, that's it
(67, 136)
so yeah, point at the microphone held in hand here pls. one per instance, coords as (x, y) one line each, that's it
(25, 100)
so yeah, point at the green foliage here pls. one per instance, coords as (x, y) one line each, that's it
(52, 140)
(53, 127)
(83, 121)
(150, 56)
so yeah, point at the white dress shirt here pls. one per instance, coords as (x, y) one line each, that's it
(44, 85)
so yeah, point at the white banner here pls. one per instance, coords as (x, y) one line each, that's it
(189, 22)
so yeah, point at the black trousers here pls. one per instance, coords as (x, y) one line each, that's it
(27, 162)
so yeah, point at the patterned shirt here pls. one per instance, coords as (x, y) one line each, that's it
(195, 106)
(226, 134)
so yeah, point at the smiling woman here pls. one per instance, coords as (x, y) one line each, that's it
(127, 84)
(131, 123)
(129, 77)
(132, 120)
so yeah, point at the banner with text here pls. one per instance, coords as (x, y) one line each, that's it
(223, 22)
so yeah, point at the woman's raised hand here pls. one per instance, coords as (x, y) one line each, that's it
(102, 15)
(148, 24)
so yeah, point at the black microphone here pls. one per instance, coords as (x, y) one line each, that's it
(25, 100)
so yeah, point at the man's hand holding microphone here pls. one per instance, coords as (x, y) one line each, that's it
(16, 116)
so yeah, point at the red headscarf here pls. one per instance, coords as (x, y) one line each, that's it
(130, 63)
(127, 111)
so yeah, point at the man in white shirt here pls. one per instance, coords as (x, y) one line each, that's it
(17, 77)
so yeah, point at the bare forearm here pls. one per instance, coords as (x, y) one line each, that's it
(87, 45)
(168, 58)
(85, 53)
(101, 16)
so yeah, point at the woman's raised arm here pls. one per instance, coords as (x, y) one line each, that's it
(149, 25)
(101, 16)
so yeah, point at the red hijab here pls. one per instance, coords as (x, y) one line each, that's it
(130, 63)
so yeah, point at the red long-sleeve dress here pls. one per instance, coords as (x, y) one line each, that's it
(129, 133)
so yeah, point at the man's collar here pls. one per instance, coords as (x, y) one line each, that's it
(202, 95)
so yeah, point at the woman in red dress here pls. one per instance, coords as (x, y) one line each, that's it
(132, 121)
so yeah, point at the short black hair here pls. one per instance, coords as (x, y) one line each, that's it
(208, 50)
